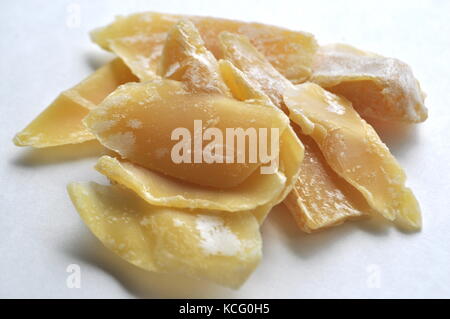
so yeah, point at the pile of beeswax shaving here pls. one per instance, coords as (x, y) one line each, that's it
(203, 219)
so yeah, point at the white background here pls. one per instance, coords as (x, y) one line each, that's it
(44, 51)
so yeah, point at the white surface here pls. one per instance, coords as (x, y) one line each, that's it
(41, 234)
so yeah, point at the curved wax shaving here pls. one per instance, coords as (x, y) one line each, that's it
(185, 58)
(354, 151)
(162, 190)
(60, 123)
(320, 197)
(378, 87)
(224, 248)
(159, 108)
(291, 52)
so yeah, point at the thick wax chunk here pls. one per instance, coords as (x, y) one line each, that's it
(221, 247)
(60, 123)
(143, 122)
(354, 151)
(142, 35)
(378, 87)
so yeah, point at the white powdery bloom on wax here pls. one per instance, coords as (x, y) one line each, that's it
(216, 238)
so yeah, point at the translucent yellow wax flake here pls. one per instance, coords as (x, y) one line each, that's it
(60, 123)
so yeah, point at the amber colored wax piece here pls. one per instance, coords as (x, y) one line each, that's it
(221, 247)
(378, 87)
(140, 38)
(60, 123)
(354, 151)
(139, 120)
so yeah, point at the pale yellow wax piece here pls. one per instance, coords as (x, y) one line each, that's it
(220, 247)
(60, 123)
